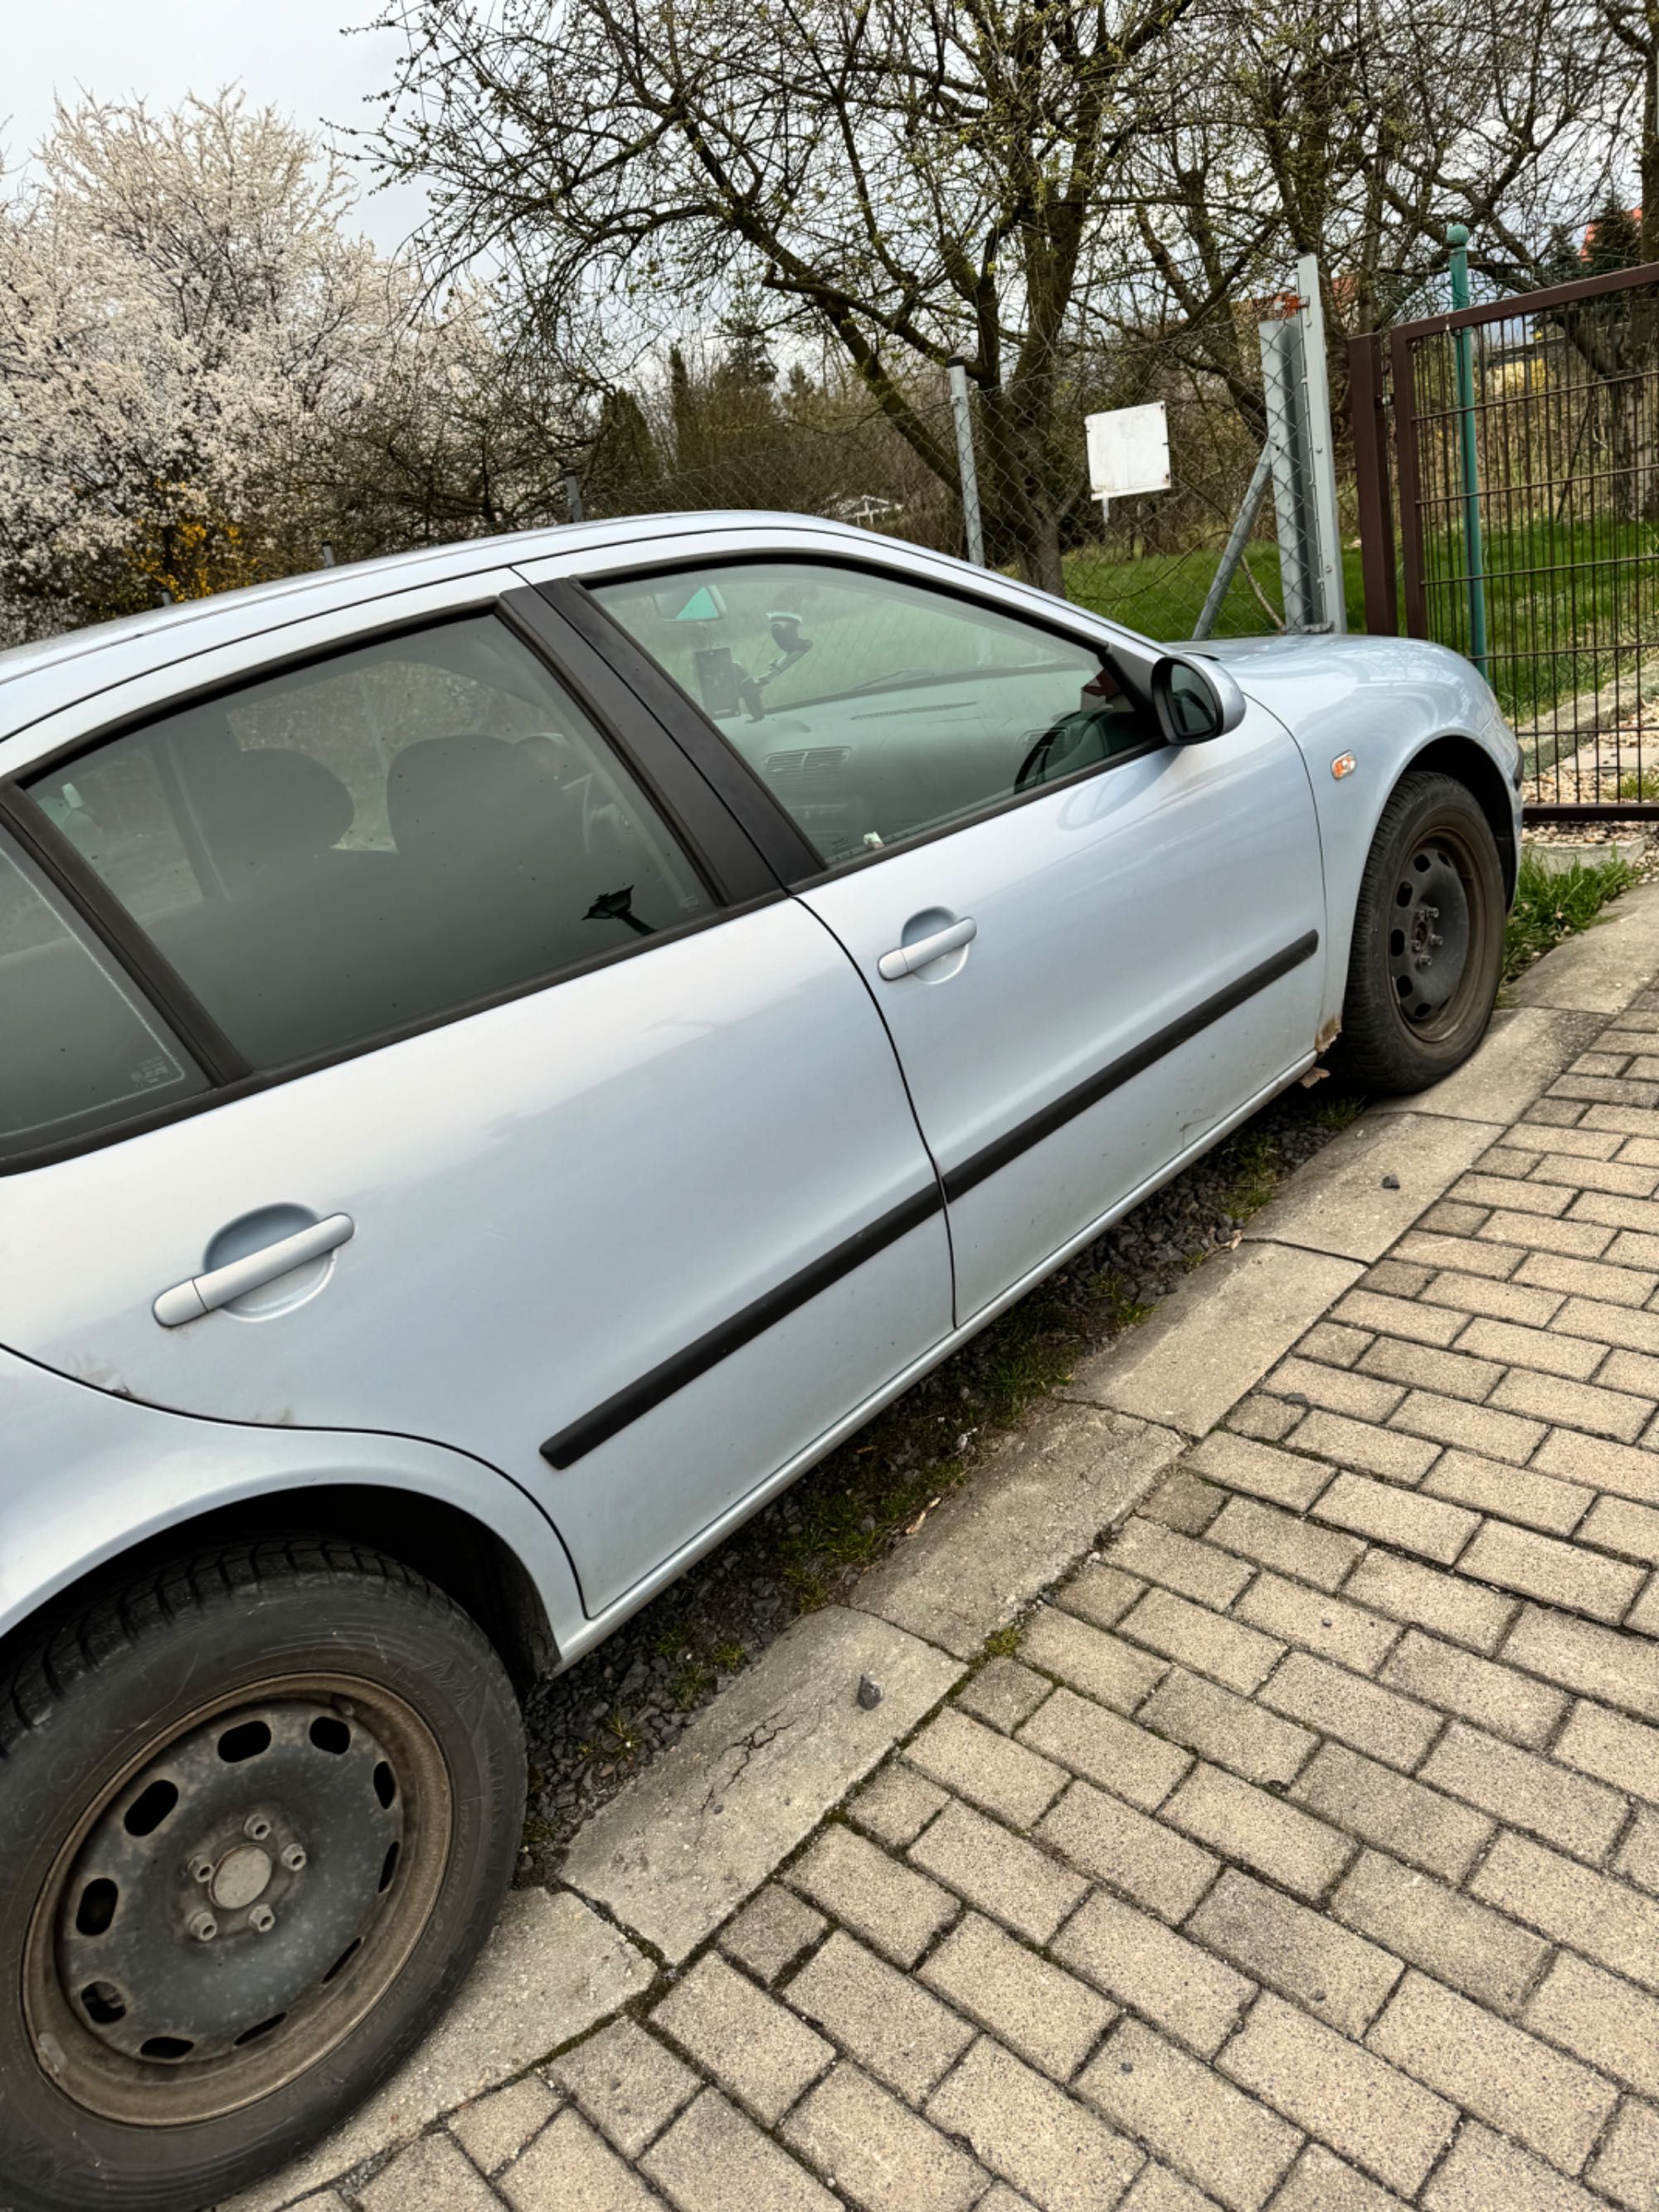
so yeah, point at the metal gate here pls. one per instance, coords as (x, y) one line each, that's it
(1526, 463)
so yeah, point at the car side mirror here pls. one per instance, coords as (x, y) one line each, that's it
(1195, 699)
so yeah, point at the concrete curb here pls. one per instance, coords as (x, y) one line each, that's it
(683, 1847)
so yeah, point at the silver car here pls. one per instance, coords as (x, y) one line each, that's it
(510, 1054)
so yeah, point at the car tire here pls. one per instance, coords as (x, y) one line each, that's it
(262, 1807)
(1428, 939)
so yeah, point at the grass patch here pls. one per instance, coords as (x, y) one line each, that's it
(1338, 1110)
(689, 1684)
(1549, 907)
(1257, 1171)
(1163, 594)
(1557, 593)
(848, 1527)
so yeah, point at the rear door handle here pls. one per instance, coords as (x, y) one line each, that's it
(201, 1294)
(908, 958)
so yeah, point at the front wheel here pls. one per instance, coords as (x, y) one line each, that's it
(261, 1810)
(1428, 939)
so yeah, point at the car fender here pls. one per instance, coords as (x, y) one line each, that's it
(1386, 701)
(88, 1476)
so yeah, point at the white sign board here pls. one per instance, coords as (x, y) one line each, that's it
(1128, 451)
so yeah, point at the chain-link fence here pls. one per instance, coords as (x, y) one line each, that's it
(1234, 545)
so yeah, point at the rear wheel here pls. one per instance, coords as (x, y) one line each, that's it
(1428, 939)
(261, 1812)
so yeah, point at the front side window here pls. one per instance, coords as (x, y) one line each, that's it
(877, 710)
(375, 840)
(81, 1052)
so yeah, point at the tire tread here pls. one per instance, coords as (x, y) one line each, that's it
(103, 1631)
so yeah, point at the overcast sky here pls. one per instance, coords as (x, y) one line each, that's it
(289, 54)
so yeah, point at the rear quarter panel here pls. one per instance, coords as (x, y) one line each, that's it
(88, 1475)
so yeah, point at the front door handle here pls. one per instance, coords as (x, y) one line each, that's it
(908, 958)
(201, 1294)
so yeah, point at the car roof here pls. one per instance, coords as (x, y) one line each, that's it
(37, 679)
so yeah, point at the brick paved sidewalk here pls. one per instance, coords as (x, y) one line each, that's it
(1307, 1853)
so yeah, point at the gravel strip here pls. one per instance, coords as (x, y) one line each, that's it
(593, 1729)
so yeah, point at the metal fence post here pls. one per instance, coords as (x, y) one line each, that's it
(1237, 538)
(1457, 237)
(1283, 396)
(964, 421)
(1322, 456)
(573, 495)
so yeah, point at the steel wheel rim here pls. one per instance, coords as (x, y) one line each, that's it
(1438, 925)
(342, 1917)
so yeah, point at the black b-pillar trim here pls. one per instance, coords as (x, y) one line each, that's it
(726, 854)
(776, 833)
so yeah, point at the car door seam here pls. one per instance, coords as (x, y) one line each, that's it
(662, 1381)
(848, 954)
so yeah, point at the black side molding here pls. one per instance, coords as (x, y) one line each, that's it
(628, 1404)
(959, 1181)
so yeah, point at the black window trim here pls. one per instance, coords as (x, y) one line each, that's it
(732, 866)
(162, 988)
(733, 890)
(703, 737)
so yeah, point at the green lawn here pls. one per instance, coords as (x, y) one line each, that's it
(1162, 594)
(1565, 602)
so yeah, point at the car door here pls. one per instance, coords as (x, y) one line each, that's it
(1089, 946)
(497, 1095)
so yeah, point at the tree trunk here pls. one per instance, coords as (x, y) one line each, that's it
(1015, 433)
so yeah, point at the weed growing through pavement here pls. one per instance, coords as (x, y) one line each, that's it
(623, 1732)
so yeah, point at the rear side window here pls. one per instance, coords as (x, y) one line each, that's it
(367, 842)
(81, 1051)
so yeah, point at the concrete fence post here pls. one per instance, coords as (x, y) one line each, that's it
(962, 410)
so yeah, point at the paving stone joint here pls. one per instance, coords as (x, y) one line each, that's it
(1304, 1856)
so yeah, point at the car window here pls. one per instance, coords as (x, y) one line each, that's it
(81, 1050)
(373, 840)
(877, 710)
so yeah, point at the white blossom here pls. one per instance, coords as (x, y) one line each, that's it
(186, 323)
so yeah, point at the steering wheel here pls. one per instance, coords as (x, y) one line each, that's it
(1073, 729)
